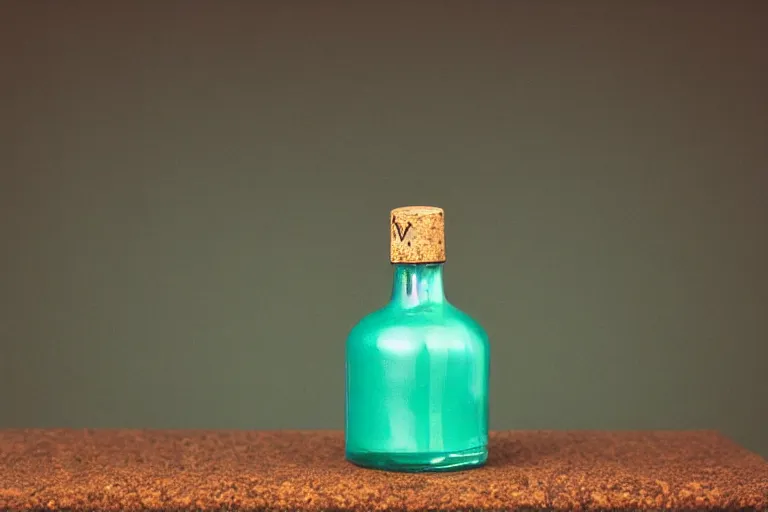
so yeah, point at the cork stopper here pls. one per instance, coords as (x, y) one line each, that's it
(417, 235)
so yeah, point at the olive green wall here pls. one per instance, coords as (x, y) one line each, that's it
(194, 202)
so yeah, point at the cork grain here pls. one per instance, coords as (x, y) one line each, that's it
(133, 470)
(417, 235)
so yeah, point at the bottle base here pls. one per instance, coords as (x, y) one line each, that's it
(420, 462)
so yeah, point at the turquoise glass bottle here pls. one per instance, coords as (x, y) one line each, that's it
(417, 370)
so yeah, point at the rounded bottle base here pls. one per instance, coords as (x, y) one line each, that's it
(420, 462)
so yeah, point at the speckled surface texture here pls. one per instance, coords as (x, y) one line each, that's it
(417, 235)
(214, 470)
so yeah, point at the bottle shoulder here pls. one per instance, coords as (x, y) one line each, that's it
(470, 323)
(444, 318)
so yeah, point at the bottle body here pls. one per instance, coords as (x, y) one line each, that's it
(417, 381)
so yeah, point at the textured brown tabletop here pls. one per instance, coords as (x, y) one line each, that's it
(287, 470)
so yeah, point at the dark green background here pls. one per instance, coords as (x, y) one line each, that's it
(194, 205)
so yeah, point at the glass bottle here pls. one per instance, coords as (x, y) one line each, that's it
(417, 369)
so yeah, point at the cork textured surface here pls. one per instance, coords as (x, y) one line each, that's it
(417, 235)
(135, 470)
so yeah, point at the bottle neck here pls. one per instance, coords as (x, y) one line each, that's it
(418, 284)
